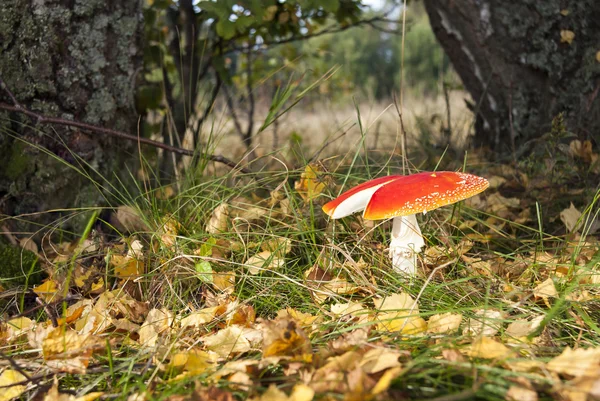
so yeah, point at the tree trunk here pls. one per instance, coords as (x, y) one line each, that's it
(524, 62)
(76, 60)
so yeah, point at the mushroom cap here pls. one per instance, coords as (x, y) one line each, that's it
(403, 195)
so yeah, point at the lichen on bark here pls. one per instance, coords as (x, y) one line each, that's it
(521, 71)
(74, 60)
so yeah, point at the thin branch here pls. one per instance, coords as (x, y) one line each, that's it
(41, 119)
(326, 31)
(15, 365)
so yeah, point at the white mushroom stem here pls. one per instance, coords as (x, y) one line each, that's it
(406, 243)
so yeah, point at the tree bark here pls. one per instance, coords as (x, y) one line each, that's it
(522, 65)
(76, 60)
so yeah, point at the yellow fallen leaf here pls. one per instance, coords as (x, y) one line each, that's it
(350, 310)
(310, 185)
(520, 329)
(18, 327)
(579, 363)
(301, 392)
(48, 290)
(398, 312)
(65, 350)
(126, 267)
(157, 322)
(485, 347)
(444, 323)
(378, 359)
(598, 56)
(168, 231)
(224, 281)
(566, 36)
(518, 393)
(201, 317)
(194, 362)
(486, 322)
(265, 260)
(385, 380)
(218, 219)
(88, 279)
(284, 337)
(8, 389)
(227, 342)
(545, 290)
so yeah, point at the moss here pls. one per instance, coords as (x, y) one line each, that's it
(18, 162)
(18, 267)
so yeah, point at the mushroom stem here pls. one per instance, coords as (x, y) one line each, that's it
(406, 243)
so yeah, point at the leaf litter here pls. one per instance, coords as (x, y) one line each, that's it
(355, 338)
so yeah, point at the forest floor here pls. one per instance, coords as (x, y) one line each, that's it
(237, 286)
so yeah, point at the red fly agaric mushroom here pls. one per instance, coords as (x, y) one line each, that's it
(401, 197)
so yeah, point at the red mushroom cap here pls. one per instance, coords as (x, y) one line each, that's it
(403, 195)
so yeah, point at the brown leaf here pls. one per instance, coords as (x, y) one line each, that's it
(211, 394)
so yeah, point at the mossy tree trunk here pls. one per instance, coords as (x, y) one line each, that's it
(524, 62)
(72, 59)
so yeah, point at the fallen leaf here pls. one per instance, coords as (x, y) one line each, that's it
(194, 362)
(48, 290)
(224, 281)
(126, 267)
(65, 350)
(452, 355)
(284, 337)
(168, 231)
(444, 323)
(227, 342)
(157, 322)
(378, 359)
(571, 217)
(211, 394)
(520, 329)
(486, 322)
(486, 347)
(310, 185)
(265, 260)
(398, 312)
(545, 290)
(518, 393)
(8, 387)
(350, 310)
(127, 219)
(578, 363)
(218, 219)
